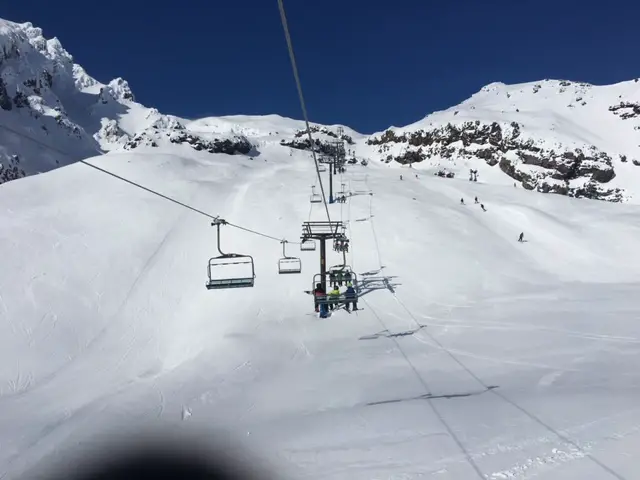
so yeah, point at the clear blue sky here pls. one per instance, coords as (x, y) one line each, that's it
(366, 63)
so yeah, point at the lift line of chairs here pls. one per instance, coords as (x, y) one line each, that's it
(233, 270)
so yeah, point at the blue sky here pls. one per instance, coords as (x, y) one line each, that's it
(368, 64)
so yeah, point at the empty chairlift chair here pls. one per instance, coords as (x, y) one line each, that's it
(308, 245)
(315, 197)
(288, 264)
(229, 270)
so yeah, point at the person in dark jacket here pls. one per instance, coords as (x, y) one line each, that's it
(351, 298)
(318, 295)
(521, 237)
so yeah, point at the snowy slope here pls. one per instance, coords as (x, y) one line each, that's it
(474, 356)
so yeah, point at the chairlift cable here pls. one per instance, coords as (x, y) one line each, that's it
(294, 66)
(177, 202)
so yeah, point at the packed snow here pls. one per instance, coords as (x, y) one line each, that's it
(472, 355)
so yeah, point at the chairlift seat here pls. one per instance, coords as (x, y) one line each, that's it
(229, 283)
(315, 198)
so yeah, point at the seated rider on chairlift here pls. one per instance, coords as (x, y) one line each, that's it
(318, 294)
(334, 296)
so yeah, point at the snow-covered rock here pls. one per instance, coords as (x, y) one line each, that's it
(552, 136)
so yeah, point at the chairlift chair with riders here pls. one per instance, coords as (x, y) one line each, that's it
(229, 270)
(288, 264)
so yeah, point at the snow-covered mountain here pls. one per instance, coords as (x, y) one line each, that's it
(550, 136)
(472, 355)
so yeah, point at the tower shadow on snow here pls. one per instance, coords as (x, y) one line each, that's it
(388, 334)
(371, 283)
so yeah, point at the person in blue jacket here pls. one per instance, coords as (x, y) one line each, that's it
(351, 297)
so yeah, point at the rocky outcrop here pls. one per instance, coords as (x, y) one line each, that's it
(167, 127)
(5, 99)
(554, 170)
(234, 146)
(304, 144)
(626, 110)
(12, 170)
(326, 131)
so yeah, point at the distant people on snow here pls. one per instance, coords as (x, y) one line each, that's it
(476, 199)
(482, 207)
(521, 237)
(462, 201)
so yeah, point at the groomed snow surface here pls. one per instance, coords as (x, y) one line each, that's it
(474, 355)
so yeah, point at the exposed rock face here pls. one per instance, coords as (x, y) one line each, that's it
(326, 131)
(504, 146)
(170, 128)
(626, 110)
(12, 170)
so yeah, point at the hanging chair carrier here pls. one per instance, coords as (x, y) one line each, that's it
(315, 197)
(229, 270)
(288, 264)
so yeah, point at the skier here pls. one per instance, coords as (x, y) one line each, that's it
(482, 207)
(400, 177)
(416, 175)
(521, 237)
(476, 199)
(318, 295)
(350, 296)
(462, 201)
(334, 297)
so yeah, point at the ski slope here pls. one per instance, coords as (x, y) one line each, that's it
(473, 355)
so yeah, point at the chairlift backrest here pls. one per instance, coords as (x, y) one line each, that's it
(289, 265)
(230, 271)
(308, 245)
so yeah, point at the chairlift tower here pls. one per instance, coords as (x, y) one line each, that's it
(338, 158)
(323, 231)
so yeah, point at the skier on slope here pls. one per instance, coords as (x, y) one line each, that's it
(477, 200)
(521, 237)
(482, 207)
(462, 201)
(400, 177)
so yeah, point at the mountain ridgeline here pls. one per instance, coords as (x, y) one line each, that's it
(551, 136)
